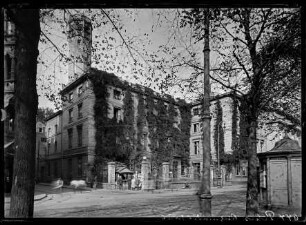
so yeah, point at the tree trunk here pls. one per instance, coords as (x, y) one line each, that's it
(252, 186)
(27, 33)
(250, 120)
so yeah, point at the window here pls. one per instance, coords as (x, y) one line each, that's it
(55, 169)
(196, 147)
(117, 113)
(70, 138)
(8, 66)
(48, 148)
(79, 166)
(43, 139)
(182, 170)
(9, 27)
(166, 106)
(80, 131)
(80, 115)
(196, 127)
(70, 115)
(40, 129)
(55, 146)
(70, 98)
(55, 128)
(196, 111)
(49, 169)
(49, 131)
(117, 95)
(80, 90)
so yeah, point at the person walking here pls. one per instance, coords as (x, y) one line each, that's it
(120, 182)
(95, 182)
(133, 183)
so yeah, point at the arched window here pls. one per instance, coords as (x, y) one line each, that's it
(8, 60)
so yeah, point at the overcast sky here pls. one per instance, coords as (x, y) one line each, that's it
(147, 21)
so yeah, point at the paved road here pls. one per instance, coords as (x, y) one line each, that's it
(107, 203)
(226, 202)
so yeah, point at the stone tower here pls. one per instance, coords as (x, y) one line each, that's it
(79, 41)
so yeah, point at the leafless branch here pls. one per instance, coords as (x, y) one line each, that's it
(128, 47)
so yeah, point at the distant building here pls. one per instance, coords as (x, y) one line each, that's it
(41, 148)
(9, 83)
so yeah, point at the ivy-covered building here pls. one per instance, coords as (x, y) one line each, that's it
(225, 135)
(104, 119)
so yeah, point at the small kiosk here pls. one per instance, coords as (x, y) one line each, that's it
(281, 175)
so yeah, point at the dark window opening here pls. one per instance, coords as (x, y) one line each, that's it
(117, 95)
(80, 131)
(8, 67)
(117, 114)
(196, 111)
(70, 138)
(70, 115)
(80, 106)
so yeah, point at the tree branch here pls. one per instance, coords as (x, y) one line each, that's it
(119, 34)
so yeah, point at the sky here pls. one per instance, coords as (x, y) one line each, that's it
(153, 30)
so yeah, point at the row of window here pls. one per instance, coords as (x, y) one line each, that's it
(79, 136)
(49, 147)
(9, 66)
(69, 171)
(80, 114)
(80, 91)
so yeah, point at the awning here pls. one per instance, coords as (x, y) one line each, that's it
(8, 150)
(124, 170)
(8, 144)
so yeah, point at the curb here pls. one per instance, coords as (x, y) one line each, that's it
(41, 198)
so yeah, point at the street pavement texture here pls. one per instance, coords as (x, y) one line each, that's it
(227, 202)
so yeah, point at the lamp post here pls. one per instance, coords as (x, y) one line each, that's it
(204, 192)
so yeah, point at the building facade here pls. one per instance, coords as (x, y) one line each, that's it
(76, 136)
(9, 83)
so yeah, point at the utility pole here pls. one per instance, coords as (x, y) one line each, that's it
(204, 192)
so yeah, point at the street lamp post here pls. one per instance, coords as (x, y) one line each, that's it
(204, 192)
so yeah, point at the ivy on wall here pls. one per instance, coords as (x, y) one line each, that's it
(116, 141)
(219, 132)
(109, 133)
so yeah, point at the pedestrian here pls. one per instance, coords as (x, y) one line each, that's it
(119, 182)
(133, 183)
(129, 180)
(95, 182)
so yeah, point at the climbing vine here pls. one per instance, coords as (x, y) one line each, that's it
(120, 141)
(218, 132)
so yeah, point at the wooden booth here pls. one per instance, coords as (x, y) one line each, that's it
(281, 174)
